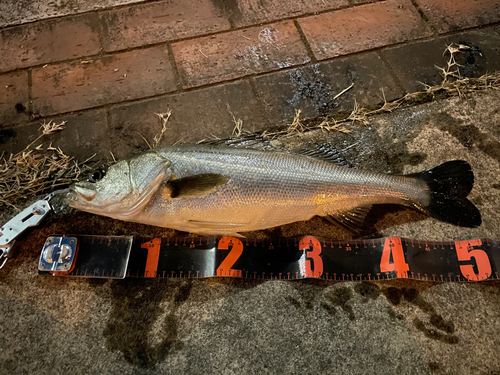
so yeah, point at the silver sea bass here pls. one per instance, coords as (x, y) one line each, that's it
(213, 190)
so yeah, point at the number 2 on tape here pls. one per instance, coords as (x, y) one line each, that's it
(466, 251)
(235, 247)
(393, 246)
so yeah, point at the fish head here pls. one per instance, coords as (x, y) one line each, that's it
(124, 190)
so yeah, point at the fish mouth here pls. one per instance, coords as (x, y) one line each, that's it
(85, 193)
(82, 198)
(78, 196)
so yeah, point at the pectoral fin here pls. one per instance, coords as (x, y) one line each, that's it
(196, 186)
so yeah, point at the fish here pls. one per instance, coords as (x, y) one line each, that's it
(209, 189)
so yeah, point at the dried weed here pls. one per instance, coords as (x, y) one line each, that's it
(36, 170)
(164, 120)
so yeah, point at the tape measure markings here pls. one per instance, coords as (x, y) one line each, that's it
(286, 259)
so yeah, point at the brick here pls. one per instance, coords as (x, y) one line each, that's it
(254, 12)
(13, 97)
(239, 53)
(159, 22)
(446, 15)
(108, 79)
(48, 41)
(14, 12)
(195, 115)
(84, 135)
(364, 1)
(312, 88)
(417, 62)
(362, 28)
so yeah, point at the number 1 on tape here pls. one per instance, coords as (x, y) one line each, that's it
(153, 248)
(393, 246)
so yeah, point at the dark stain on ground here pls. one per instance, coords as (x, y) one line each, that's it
(339, 298)
(469, 135)
(403, 158)
(20, 108)
(391, 156)
(471, 61)
(434, 334)
(384, 216)
(367, 290)
(437, 328)
(394, 295)
(294, 302)
(228, 8)
(434, 366)
(309, 290)
(398, 156)
(5, 135)
(313, 87)
(394, 315)
(135, 309)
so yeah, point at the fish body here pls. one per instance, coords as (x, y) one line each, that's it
(222, 190)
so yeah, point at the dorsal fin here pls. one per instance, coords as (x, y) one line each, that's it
(252, 141)
(325, 152)
(353, 220)
(197, 185)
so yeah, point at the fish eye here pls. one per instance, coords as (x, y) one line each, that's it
(97, 175)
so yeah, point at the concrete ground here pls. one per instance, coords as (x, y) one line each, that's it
(107, 68)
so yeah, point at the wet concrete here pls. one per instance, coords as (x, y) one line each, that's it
(53, 325)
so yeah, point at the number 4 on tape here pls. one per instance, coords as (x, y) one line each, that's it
(394, 248)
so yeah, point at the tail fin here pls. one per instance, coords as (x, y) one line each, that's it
(449, 185)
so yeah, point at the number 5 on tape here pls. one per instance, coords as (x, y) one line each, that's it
(393, 246)
(469, 250)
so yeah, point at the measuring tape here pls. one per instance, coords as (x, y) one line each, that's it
(270, 259)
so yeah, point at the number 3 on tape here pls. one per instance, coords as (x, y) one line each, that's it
(313, 264)
(393, 246)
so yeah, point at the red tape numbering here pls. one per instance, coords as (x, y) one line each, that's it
(306, 257)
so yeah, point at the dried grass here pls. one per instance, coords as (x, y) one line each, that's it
(453, 84)
(238, 127)
(164, 120)
(36, 170)
(296, 126)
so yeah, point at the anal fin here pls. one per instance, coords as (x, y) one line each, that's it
(353, 220)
